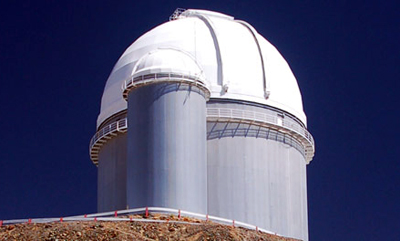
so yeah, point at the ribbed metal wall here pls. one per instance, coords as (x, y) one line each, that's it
(256, 179)
(166, 164)
(111, 193)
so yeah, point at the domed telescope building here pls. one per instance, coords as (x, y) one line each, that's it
(203, 114)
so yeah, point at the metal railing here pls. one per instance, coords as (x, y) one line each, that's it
(273, 121)
(142, 80)
(105, 134)
(175, 15)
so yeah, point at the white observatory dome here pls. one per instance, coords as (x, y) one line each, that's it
(216, 126)
(237, 62)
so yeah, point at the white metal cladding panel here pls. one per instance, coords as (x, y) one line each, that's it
(255, 178)
(167, 148)
(111, 193)
(258, 181)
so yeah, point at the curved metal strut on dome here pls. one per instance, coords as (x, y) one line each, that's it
(211, 28)
(253, 32)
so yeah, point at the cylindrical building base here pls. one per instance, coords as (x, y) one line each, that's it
(255, 177)
(167, 164)
(111, 191)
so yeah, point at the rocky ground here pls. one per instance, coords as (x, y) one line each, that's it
(132, 230)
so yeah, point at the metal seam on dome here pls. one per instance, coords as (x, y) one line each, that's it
(211, 28)
(253, 32)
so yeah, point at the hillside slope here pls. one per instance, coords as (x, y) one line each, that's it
(131, 230)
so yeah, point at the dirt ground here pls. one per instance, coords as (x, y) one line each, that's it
(132, 230)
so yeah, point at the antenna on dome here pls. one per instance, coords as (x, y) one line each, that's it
(176, 14)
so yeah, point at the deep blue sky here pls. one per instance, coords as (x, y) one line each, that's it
(55, 57)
